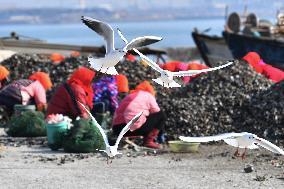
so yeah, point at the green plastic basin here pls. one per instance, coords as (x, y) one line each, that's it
(181, 146)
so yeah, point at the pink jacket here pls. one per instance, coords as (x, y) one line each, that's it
(36, 90)
(132, 105)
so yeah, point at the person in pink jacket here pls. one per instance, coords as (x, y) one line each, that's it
(149, 124)
(26, 91)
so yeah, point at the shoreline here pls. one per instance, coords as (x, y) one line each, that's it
(214, 166)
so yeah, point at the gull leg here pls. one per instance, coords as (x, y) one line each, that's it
(109, 160)
(237, 154)
(244, 154)
(136, 147)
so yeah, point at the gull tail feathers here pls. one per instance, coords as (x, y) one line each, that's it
(111, 70)
(159, 81)
(97, 65)
(166, 84)
(174, 84)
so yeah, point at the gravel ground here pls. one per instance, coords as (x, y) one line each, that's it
(36, 166)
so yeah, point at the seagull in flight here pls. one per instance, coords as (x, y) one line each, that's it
(166, 79)
(239, 140)
(113, 56)
(111, 151)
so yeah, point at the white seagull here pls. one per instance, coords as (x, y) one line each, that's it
(113, 56)
(111, 151)
(166, 79)
(239, 140)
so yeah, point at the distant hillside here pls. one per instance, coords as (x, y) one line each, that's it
(70, 11)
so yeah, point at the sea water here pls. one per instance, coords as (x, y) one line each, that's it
(175, 33)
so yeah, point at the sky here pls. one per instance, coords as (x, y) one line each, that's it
(5, 4)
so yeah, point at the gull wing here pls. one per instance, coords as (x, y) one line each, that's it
(268, 145)
(252, 146)
(103, 29)
(193, 72)
(127, 127)
(122, 36)
(211, 138)
(141, 41)
(97, 124)
(151, 63)
(231, 142)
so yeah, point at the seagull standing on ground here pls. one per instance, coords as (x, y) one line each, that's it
(239, 140)
(113, 56)
(111, 151)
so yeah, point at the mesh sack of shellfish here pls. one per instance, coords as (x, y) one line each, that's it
(83, 137)
(27, 124)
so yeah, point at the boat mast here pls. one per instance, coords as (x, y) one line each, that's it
(226, 12)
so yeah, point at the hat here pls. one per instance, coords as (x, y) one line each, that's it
(3, 73)
(145, 86)
(253, 59)
(43, 78)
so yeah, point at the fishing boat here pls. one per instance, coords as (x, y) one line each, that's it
(270, 49)
(243, 35)
(257, 35)
(213, 49)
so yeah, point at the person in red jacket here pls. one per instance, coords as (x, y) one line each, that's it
(77, 88)
(253, 59)
(272, 73)
(268, 71)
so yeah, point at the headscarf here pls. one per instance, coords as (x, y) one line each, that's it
(3, 73)
(75, 54)
(43, 78)
(84, 77)
(253, 59)
(129, 57)
(270, 72)
(122, 83)
(180, 66)
(170, 66)
(196, 66)
(56, 58)
(144, 86)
